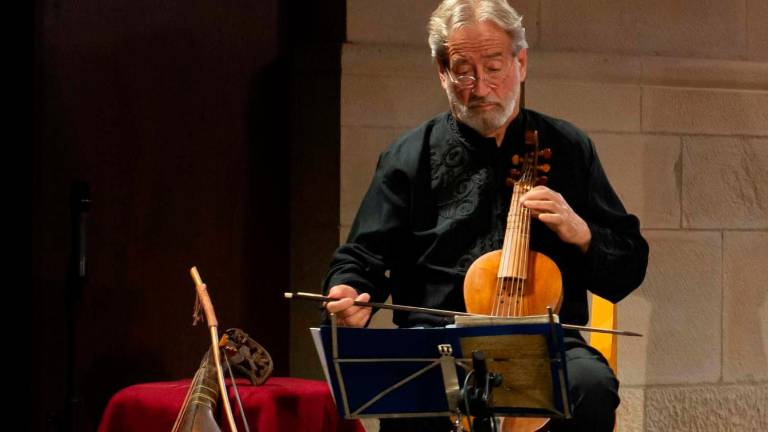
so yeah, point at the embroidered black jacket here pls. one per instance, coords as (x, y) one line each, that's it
(438, 201)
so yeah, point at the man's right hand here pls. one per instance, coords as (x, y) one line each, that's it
(347, 314)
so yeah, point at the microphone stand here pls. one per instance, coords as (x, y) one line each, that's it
(477, 395)
(76, 281)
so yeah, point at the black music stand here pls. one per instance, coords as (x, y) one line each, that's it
(397, 373)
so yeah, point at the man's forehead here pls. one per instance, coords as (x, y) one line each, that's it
(477, 41)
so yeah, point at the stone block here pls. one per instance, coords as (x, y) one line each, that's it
(584, 67)
(631, 412)
(376, 101)
(707, 408)
(684, 28)
(645, 172)
(678, 309)
(725, 183)
(703, 111)
(704, 73)
(745, 306)
(360, 149)
(592, 107)
(404, 22)
(757, 31)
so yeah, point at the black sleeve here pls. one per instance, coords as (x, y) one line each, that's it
(377, 233)
(618, 254)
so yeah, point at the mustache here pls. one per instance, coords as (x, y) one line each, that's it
(477, 101)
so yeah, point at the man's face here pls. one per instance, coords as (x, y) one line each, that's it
(484, 51)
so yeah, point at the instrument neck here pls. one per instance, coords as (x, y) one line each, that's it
(516, 236)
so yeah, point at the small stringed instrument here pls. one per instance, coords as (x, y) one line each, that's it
(517, 281)
(247, 358)
(208, 386)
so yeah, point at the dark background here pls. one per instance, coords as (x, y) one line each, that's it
(208, 133)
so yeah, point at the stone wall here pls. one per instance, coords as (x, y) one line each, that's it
(675, 96)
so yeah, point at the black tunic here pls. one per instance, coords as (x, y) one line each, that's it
(438, 201)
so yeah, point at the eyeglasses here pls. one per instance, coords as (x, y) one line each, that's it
(491, 76)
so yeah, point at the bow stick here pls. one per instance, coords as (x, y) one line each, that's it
(441, 312)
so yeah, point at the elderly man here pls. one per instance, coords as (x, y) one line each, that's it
(439, 200)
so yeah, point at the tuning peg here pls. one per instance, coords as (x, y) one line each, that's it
(546, 153)
(516, 159)
(510, 182)
(543, 168)
(541, 180)
(514, 174)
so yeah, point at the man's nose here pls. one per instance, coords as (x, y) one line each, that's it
(481, 87)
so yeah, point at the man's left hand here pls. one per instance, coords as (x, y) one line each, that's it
(551, 209)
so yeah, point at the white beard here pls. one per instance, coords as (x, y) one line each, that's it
(484, 122)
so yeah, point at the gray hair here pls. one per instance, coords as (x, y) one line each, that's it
(452, 14)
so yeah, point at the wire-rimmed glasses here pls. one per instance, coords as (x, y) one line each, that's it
(491, 76)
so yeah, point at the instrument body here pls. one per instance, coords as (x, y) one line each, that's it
(516, 281)
(197, 414)
(542, 287)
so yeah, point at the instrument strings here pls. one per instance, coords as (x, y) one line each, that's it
(510, 285)
(521, 252)
(236, 391)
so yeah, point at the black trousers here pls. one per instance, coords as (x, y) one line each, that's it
(594, 392)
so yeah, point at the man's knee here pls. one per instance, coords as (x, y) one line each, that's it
(594, 392)
(594, 387)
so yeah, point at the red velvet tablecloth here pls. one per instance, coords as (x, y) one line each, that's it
(281, 404)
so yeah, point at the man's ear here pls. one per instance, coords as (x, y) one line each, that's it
(441, 72)
(522, 58)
